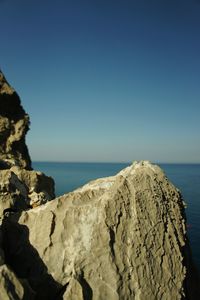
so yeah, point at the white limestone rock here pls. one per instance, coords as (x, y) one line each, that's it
(121, 237)
(21, 189)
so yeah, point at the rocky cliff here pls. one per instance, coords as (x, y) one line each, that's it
(14, 123)
(20, 187)
(116, 238)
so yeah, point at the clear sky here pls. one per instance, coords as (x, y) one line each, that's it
(106, 80)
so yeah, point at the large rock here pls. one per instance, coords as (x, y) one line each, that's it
(13, 193)
(121, 237)
(14, 123)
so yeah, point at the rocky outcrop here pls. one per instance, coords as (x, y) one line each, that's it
(121, 237)
(20, 186)
(22, 189)
(14, 123)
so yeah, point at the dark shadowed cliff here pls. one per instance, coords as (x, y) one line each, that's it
(14, 124)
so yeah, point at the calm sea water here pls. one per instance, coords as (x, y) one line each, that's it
(186, 177)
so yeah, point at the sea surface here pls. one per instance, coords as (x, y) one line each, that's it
(186, 177)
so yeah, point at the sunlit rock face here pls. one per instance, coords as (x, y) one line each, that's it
(22, 189)
(120, 237)
(14, 124)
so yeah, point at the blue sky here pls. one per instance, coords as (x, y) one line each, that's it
(106, 80)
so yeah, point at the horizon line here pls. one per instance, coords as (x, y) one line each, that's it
(114, 162)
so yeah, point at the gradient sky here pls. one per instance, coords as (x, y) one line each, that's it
(106, 80)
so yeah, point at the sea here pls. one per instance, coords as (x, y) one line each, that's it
(186, 177)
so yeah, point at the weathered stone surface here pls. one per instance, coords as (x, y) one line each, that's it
(11, 288)
(40, 188)
(21, 189)
(121, 237)
(73, 291)
(14, 123)
(2, 257)
(13, 193)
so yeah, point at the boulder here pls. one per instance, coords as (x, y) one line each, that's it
(40, 188)
(22, 189)
(120, 237)
(13, 193)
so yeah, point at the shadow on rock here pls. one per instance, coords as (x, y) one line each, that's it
(193, 279)
(25, 261)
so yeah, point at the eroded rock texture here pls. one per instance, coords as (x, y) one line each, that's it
(22, 189)
(20, 186)
(121, 237)
(14, 123)
(11, 288)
